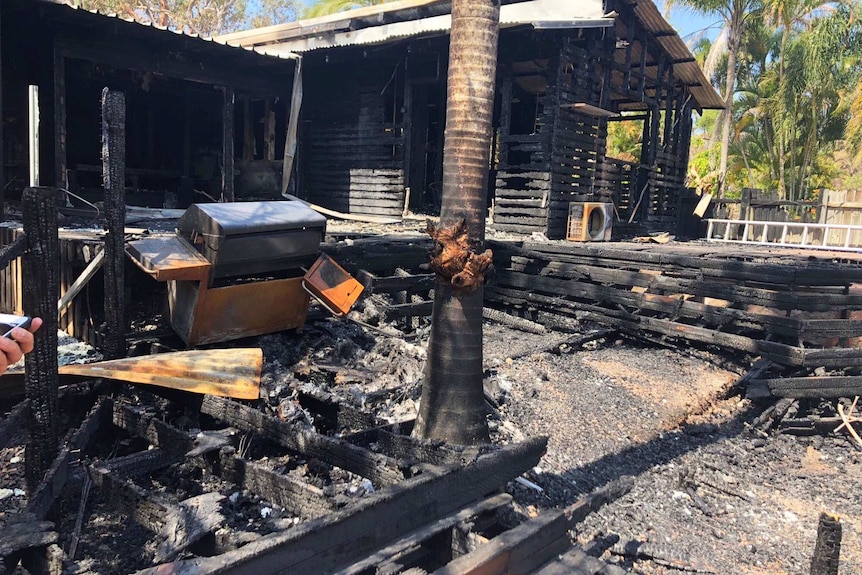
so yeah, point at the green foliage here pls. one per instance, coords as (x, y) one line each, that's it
(204, 17)
(624, 140)
(326, 7)
(796, 96)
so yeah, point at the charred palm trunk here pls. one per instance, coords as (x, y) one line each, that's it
(452, 407)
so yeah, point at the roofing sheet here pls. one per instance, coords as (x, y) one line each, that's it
(283, 54)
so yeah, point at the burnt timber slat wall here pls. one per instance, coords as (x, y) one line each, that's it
(523, 183)
(353, 143)
(579, 139)
(643, 80)
(75, 253)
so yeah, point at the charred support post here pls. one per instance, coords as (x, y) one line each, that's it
(114, 176)
(40, 299)
(827, 550)
(452, 407)
(60, 175)
(227, 146)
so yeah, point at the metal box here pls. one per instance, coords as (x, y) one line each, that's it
(249, 238)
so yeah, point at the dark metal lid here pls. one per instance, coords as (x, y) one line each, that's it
(215, 222)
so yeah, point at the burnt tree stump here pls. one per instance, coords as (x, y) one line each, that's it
(114, 176)
(827, 550)
(40, 265)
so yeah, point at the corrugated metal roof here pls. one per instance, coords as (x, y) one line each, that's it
(393, 21)
(396, 20)
(282, 54)
(684, 69)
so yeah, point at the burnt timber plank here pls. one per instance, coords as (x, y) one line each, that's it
(409, 450)
(141, 463)
(188, 522)
(20, 536)
(422, 534)
(593, 501)
(712, 260)
(52, 484)
(816, 387)
(518, 551)
(378, 468)
(150, 427)
(297, 497)
(634, 324)
(130, 499)
(331, 542)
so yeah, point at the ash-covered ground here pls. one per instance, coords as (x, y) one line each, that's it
(711, 494)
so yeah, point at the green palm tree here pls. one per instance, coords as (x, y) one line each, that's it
(735, 16)
(453, 406)
(788, 16)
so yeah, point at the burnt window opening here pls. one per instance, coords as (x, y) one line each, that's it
(529, 85)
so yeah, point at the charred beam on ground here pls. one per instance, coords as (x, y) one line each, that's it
(518, 551)
(147, 425)
(408, 450)
(298, 498)
(378, 468)
(797, 387)
(597, 499)
(423, 534)
(141, 463)
(22, 536)
(329, 543)
(52, 485)
(180, 525)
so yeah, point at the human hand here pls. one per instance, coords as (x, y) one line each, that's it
(13, 348)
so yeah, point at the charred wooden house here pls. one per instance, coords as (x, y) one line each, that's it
(371, 136)
(186, 98)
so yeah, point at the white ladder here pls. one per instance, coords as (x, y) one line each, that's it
(792, 234)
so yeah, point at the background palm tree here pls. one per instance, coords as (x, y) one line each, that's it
(735, 15)
(452, 407)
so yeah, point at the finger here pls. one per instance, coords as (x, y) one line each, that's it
(11, 351)
(24, 339)
(3, 362)
(35, 324)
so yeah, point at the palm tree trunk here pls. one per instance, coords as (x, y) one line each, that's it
(727, 114)
(452, 407)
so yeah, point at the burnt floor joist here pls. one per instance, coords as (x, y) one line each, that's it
(330, 543)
